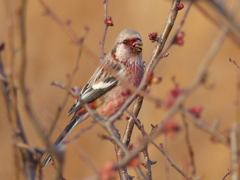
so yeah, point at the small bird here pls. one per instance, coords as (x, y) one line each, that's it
(103, 92)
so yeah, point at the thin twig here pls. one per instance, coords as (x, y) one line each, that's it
(234, 62)
(235, 152)
(85, 157)
(79, 133)
(105, 3)
(22, 83)
(217, 21)
(189, 147)
(219, 137)
(140, 174)
(226, 17)
(171, 161)
(75, 67)
(226, 174)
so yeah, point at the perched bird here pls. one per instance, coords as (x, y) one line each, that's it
(104, 92)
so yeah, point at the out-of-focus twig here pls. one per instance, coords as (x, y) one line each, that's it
(22, 74)
(171, 161)
(234, 62)
(85, 157)
(228, 172)
(235, 159)
(79, 133)
(189, 147)
(69, 31)
(20, 139)
(227, 17)
(219, 137)
(234, 37)
(75, 67)
(105, 4)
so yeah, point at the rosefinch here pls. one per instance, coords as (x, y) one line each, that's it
(103, 92)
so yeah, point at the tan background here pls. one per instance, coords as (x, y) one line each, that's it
(51, 56)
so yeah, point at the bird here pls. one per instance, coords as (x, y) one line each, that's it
(104, 92)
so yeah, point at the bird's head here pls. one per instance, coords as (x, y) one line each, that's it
(128, 44)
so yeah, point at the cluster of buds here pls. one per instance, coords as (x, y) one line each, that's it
(171, 96)
(179, 38)
(2, 46)
(108, 171)
(153, 36)
(196, 110)
(108, 21)
(170, 127)
(135, 161)
(151, 79)
(179, 7)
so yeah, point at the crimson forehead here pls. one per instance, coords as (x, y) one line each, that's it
(132, 40)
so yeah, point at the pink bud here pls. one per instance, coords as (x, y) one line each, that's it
(179, 39)
(196, 110)
(179, 7)
(108, 21)
(153, 36)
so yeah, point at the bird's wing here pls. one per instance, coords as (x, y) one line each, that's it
(100, 83)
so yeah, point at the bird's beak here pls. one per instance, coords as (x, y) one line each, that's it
(137, 46)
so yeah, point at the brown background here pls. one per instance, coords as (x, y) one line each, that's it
(51, 56)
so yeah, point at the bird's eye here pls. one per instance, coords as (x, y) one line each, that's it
(125, 41)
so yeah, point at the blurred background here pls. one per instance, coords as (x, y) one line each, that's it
(51, 56)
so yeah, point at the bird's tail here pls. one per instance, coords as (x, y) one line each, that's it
(75, 121)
